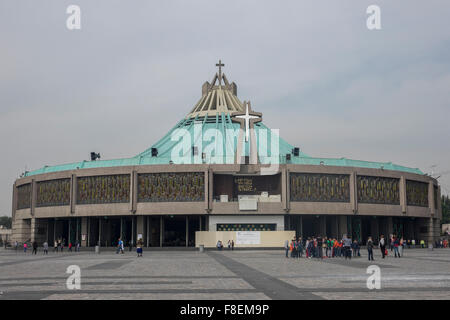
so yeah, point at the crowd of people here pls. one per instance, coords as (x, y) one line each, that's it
(324, 247)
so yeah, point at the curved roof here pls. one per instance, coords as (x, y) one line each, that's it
(209, 126)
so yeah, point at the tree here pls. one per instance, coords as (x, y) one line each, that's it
(445, 209)
(6, 222)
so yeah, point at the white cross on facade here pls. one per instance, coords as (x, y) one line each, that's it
(247, 118)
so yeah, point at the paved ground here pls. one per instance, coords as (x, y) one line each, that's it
(258, 274)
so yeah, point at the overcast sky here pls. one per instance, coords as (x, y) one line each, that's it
(314, 70)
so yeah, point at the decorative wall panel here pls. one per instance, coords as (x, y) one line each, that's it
(379, 190)
(53, 193)
(247, 227)
(103, 189)
(320, 187)
(416, 193)
(24, 196)
(171, 187)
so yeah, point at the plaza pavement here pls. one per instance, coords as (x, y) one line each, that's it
(237, 275)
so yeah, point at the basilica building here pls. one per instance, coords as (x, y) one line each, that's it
(221, 174)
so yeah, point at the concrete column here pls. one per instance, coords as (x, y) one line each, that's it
(439, 204)
(33, 229)
(140, 226)
(33, 197)
(73, 193)
(161, 231)
(402, 190)
(429, 237)
(187, 230)
(133, 191)
(431, 198)
(84, 230)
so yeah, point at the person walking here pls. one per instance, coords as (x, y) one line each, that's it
(382, 246)
(55, 246)
(120, 246)
(370, 248)
(25, 246)
(232, 245)
(35, 246)
(70, 246)
(229, 244)
(45, 245)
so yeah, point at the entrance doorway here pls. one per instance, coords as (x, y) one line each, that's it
(174, 231)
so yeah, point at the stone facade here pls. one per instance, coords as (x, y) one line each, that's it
(334, 217)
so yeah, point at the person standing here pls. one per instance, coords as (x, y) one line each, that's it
(232, 245)
(370, 248)
(45, 245)
(25, 246)
(35, 246)
(300, 247)
(401, 246)
(396, 245)
(139, 246)
(55, 246)
(347, 244)
(229, 244)
(382, 246)
(70, 246)
(286, 248)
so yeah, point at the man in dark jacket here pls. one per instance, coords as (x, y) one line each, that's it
(370, 248)
(35, 246)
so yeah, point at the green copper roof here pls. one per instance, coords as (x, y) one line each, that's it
(222, 137)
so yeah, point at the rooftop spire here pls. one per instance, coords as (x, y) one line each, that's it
(218, 97)
(220, 65)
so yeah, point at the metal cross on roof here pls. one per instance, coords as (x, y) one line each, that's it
(247, 117)
(220, 65)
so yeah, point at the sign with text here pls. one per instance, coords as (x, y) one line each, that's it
(248, 237)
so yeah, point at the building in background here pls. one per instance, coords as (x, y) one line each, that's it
(221, 174)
